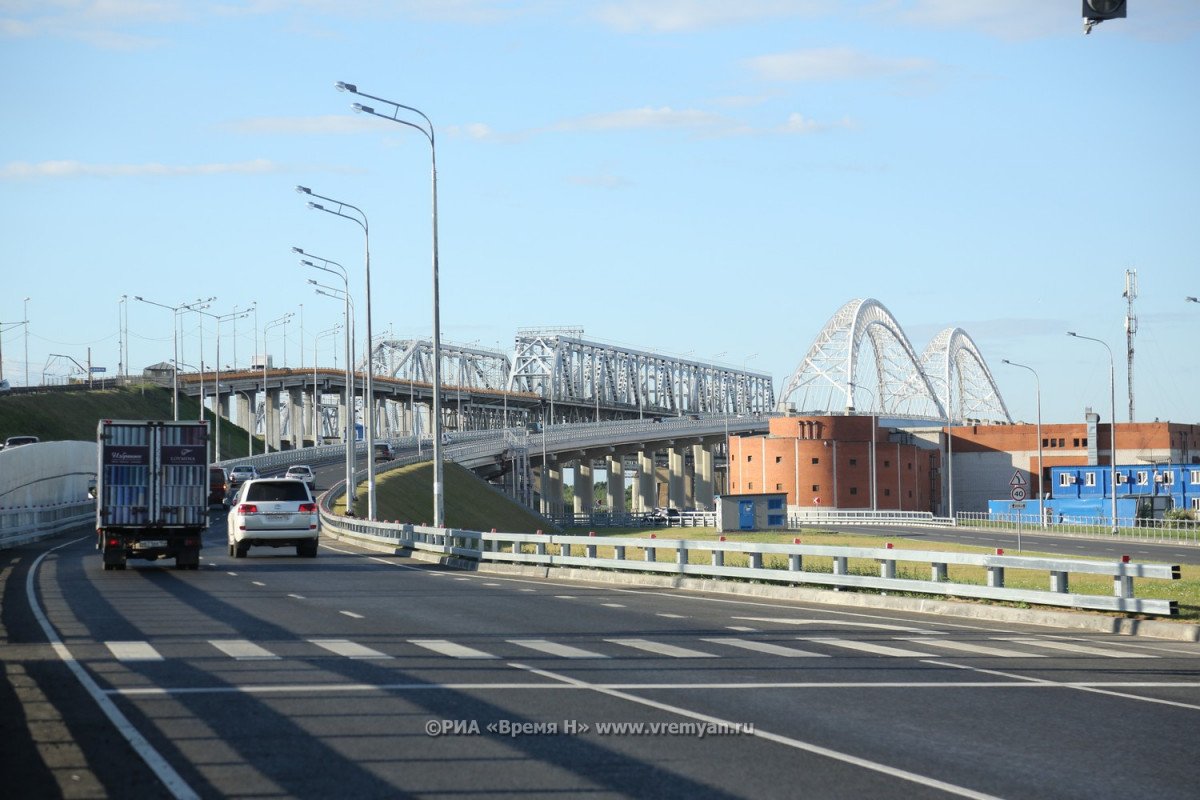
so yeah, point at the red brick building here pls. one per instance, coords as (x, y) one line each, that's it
(826, 462)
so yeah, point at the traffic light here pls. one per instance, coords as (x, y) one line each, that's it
(1100, 10)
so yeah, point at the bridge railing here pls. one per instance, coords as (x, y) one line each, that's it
(1166, 531)
(29, 523)
(775, 563)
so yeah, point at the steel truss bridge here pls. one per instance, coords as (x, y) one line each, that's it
(862, 350)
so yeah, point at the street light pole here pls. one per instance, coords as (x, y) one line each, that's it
(25, 316)
(1041, 488)
(316, 416)
(348, 438)
(284, 320)
(233, 315)
(369, 388)
(439, 506)
(1112, 423)
(175, 337)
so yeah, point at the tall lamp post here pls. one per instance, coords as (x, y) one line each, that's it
(175, 336)
(439, 505)
(284, 320)
(234, 315)
(350, 314)
(316, 416)
(1041, 487)
(1112, 422)
(369, 389)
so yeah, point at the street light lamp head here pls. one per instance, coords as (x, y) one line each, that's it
(313, 282)
(342, 86)
(1072, 333)
(303, 190)
(304, 262)
(1191, 300)
(361, 109)
(317, 206)
(298, 250)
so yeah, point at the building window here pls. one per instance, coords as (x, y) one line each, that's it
(1168, 478)
(1084, 440)
(1089, 479)
(749, 459)
(910, 492)
(910, 466)
(1196, 504)
(1194, 477)
(816, 487)
(887, 464)
(816, 461)
(1062, 442)
(775, 503)
(775, 519)
(1143, 477)
(1065, 479)
(1122, 478)
(778, 487)
(750, 485)
(854, 463)
(853, 490)
(887, 492)
(778, 459)
(1076, 440)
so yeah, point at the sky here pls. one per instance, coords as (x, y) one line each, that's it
(712, 180)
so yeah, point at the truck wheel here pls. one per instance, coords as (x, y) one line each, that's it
(240, 550)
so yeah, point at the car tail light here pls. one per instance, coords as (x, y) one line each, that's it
(247, 508)
(308, 508)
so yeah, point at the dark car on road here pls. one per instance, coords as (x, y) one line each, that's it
(217, 485)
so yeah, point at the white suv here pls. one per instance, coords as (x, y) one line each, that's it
(302, 472)
(273, 512)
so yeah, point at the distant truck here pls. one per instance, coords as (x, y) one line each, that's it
(152, 491)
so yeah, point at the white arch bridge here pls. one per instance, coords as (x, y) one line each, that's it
(862, 350)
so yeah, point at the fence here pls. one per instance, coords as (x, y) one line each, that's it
(1171, 531)
(29, 523)
(585, 551)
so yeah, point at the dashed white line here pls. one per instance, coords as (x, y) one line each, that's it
(351, 614)
(344, 647)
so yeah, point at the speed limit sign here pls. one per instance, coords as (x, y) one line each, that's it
(1018, 493)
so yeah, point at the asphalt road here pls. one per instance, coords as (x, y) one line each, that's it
(281, 676)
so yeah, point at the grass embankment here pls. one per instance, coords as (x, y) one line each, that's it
(73, 416)
(406, 495)
(1186, 591)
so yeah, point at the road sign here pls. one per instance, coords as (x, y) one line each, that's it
(1018, 506)
(99, 369)
(1017, 480)
(1018, 493)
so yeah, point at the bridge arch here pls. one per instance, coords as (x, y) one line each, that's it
(961, 378)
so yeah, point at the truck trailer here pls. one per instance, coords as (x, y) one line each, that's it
(151, 491)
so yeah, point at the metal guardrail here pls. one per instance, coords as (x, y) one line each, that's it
(604, 519)
(26, 524)
(584, 551)
(1163, 531)
(864, 517)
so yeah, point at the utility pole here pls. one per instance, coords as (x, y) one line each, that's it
(1130, 329)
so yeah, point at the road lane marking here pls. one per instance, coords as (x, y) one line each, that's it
(347, 648)
(297, 596)
(809, 621)
(555, 649)
(448, 648)
(243, 650)
(658, 648)
(351, 614)
(766, 647)
(866, 647)
(787, 741)
(133, 651)
(741, 628)
(612, 605)
(1056, 644)
(968, 647)
(258, 583)
(671, 616)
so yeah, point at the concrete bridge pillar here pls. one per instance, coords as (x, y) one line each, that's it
(271, 418)
(616, 485)
(585, 487)
(676, 496)
(702, 463)
(240, 411)
(295, 427)
(644, 497)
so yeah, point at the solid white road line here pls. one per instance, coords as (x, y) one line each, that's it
(451, 649)
(661, 649)
(242, 649)
(351, 614)
(766, 647)
(968, 647)
(1055, 644)
(881, 626)
(866, 647)
(171, 780)
(345, 647)
(133, 651)
(555, 649)
(787, 741)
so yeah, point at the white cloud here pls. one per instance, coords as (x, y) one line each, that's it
(472, 130)
(665, 16)
(645, 119)
(833, 63)
(799, 124)
(327, 123)
(21, 170)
